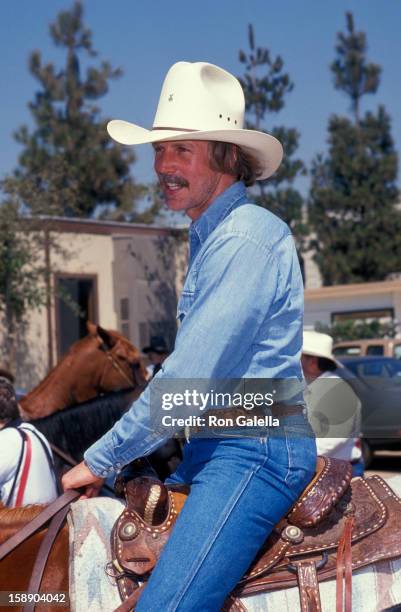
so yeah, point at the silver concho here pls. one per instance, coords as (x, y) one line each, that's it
(128, 531)
(292, 534)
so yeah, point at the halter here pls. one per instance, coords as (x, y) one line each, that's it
(134, 382)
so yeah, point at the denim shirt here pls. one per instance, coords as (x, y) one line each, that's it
(240, 311)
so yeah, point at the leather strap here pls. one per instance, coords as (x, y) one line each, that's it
(175, 129)
(25, 470)
(43, 554)
(41, 519)
(282, 410)
(233, 604)
(278, 411)
(344, 569)
(308, 587)
(131, 601)
(135, 382)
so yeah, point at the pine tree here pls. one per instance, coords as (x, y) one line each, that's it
(266, 85)
(353, 192)
(84, 167)
(22, 275)
(26, 267)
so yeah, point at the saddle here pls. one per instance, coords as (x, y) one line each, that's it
(335, 527)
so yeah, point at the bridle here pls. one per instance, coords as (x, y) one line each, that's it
(134, 382)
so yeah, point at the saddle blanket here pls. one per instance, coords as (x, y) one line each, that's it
(90, 522)
(374, 588)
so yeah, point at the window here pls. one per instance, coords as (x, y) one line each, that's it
(124, 309)
(124, 317)
(375, 349)
(76, 304)
(350, 350)
(383, 315)
(375, 368)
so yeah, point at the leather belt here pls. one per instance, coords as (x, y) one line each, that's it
(282, 410)
(276, 411)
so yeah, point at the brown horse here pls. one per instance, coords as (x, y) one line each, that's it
(373, 581)
(16, 568)
(101, 362)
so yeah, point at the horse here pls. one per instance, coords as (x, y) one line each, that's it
(77, 427)
(376, 586)
(68, 408)
(102, 362)
(16, 568)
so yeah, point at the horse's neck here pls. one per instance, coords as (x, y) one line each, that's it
(55, 392)
(51, 395)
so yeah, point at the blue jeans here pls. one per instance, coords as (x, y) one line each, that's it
(240, 489)
(358, 468)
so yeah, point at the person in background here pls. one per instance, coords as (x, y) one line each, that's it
(334, 409)
(26, 463)
(156, 352)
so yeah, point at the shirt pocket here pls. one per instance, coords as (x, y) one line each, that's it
(184, 304)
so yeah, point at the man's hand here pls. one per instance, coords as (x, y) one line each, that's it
(81, 476)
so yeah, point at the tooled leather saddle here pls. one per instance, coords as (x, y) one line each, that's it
(335, 527)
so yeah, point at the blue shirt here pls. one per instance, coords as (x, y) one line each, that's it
(241, 314)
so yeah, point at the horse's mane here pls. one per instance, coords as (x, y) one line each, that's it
(74, 429)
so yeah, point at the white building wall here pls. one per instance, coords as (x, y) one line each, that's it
(320, 304)
(321, 310)
(91, 254)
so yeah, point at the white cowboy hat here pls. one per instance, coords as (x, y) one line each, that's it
(200, 101)
(318, 345)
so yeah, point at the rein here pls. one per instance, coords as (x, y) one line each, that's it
(56, 513)
(62, 503)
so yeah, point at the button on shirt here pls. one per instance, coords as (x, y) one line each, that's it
(240, 315)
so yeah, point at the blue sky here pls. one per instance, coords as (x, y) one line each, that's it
(146, 38)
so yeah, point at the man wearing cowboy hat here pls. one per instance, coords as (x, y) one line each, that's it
(157, 352)
(334, 409)
(240, 317)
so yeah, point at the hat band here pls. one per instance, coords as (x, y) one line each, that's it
(175, 129)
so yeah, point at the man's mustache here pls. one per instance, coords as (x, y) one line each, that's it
(173, 178)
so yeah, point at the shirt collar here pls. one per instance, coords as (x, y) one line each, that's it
(221, 207)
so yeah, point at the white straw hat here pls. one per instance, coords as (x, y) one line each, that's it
(318, 345)
(200, 101)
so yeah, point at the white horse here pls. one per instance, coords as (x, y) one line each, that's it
(374, 587)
